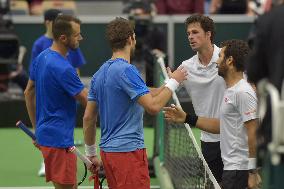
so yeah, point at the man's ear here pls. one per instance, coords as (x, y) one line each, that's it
(130, 39)
(230, 61)
(63, 38)
(208, 34)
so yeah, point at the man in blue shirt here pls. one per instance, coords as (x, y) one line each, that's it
(55, 86)
(74, 56)
(119, 95)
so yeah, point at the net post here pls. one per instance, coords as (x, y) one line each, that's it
(162, 174)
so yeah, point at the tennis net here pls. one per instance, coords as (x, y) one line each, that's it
(177, 151)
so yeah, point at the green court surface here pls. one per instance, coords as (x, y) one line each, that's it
(20, 160)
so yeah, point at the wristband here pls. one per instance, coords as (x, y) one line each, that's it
(172, 84)
(91, 150)
(191, 119)
(252, 163)
(166, 81)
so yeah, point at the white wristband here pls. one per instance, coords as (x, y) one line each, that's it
(172, 84)
(91, 150)
(166, 81)
(252, 163)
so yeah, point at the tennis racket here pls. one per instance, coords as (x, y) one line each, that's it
(87, 162)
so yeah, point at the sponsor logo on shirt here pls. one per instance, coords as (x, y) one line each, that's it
(250, 112)
(226, 99)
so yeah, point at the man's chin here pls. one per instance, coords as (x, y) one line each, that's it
(74, 48)
(194, 48)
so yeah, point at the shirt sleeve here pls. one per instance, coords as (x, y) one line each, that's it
(132, 83)
(92, 94)
(70, 82)
(76, 58)
(35, 52)
(247, 105)
(32, 69)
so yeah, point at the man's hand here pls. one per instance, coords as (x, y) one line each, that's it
(158, 53)
(36, 145)
(174, 114)
(179, 74)
(96, 164)
(254, 181)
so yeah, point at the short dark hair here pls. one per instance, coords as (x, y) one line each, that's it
(62, 26)
(118, 31)
(51, 14)
(205, 22)
(239, 50)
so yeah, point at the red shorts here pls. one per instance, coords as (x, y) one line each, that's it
(126, 170)
(60, 165)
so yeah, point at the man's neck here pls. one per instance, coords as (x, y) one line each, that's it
(60, 48)
(205, 54)
(233, 78)
(48, 34)
(125, 54)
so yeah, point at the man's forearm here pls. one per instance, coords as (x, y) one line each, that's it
(210, 125)
(251, 131)
(89, 128)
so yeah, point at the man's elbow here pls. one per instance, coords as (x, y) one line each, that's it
(152, 110)
(27, 93)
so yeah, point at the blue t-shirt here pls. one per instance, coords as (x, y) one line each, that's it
(116, 87)
(75, 57)
(56, 84)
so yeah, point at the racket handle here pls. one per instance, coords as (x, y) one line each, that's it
(74, 150)
(24, 128)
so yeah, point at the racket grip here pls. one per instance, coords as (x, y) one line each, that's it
(74, 150)
(24, 128)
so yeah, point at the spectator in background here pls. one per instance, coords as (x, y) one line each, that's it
(179, 6)
(267, 61)
(11, 53)
(35, 7)
(229, 7)
(151, 40)
(74, 56)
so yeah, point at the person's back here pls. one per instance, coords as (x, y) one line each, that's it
(120, 114)
(268, 53)
(266, 62)
(118, 94)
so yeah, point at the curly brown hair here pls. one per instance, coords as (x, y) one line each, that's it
(239, 50)
(118, 31)
(205, 22)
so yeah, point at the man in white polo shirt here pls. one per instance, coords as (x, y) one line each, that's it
(238, 119)
(204, 85)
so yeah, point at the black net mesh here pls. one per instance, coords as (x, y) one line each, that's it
(182, 161)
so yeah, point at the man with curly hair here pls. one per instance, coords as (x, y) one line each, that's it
(238, 120)
(119, 96)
